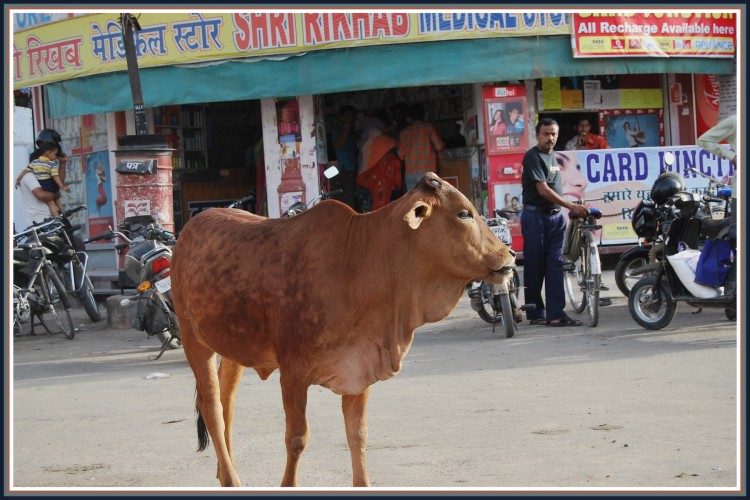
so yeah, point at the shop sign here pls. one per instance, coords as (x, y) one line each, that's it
(92, 44)
(655, 34)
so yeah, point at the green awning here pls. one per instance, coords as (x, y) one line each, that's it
(375, 67)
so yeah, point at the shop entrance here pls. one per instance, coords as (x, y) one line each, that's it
(445, 108)
(214, 159)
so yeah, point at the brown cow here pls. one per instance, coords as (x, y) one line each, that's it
(328, 297)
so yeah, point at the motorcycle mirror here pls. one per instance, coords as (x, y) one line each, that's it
(331, 172)
(669, 158)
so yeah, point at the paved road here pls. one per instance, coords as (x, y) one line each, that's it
(609, 407)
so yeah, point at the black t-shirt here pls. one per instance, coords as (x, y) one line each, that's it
(539, 166)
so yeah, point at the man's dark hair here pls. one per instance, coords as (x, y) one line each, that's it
(545, 122)
(346, 107)
(416, 112)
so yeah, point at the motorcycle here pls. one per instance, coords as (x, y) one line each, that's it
(499, 303)
(69, 259)
(684, 227)
(148, 262)
(299, 207)
(634, 263)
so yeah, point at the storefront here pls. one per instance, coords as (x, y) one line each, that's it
(215, 103)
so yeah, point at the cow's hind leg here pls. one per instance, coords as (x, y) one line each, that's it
(230, 374)
(355, 420)
(203, 363)
(294, 395)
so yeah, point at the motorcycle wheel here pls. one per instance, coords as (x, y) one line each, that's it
(731, 314)
(58, 304)
(487, 312)
(623, 273)
(507, 315)
(175, 343)
(655, 316)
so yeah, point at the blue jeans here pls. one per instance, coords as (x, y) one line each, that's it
(543, 237)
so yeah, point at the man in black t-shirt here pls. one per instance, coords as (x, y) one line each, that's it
(543, 229)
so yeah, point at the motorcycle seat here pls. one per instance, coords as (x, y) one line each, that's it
(714, 228)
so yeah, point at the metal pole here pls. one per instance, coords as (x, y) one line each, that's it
(141, 126)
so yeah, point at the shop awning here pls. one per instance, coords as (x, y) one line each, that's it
(385, 66)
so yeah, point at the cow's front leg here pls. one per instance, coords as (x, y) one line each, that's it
(355, 419)
(294, 395)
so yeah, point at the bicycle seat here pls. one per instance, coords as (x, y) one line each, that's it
(594, 211)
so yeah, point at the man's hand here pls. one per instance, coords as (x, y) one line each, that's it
(579, 210)
(65, 188)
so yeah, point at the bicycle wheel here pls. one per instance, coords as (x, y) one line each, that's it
(86, 294)
(574, 272)
(58, 303)
(591, 281)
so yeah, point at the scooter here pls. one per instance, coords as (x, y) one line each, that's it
(634, 263)
(652, 300)
(498, 303)
(148, 262)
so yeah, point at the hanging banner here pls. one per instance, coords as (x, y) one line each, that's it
(655, 34)
(624, 175)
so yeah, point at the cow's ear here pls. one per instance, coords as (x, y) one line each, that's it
(419, 212)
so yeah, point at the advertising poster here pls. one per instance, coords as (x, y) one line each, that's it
(505, 125)
(633, 128)
(624, 175)
(287, 113)
(98, 193)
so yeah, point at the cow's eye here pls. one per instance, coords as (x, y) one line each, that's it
(465, 214)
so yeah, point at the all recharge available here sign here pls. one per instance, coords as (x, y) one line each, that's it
(655, 34)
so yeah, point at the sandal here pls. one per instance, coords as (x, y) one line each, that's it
(566, 322)
(538, 321)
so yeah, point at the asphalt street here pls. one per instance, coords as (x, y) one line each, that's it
(609, 408)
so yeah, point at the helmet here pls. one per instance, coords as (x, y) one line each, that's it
(644, 219)
(49, 135)
(665, 186)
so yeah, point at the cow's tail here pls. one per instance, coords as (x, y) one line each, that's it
(203, 439)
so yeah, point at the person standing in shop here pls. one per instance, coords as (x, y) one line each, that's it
(585, 139)
(418, 146)
(543, 229)
(345, 146)
(399, 119)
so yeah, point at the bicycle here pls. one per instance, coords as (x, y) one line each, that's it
(37, 288)
(583, 269)
(70, 261)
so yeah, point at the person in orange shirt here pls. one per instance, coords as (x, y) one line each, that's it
(584, 139)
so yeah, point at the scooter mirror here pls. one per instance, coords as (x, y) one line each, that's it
(669, 158)
(331, 172)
